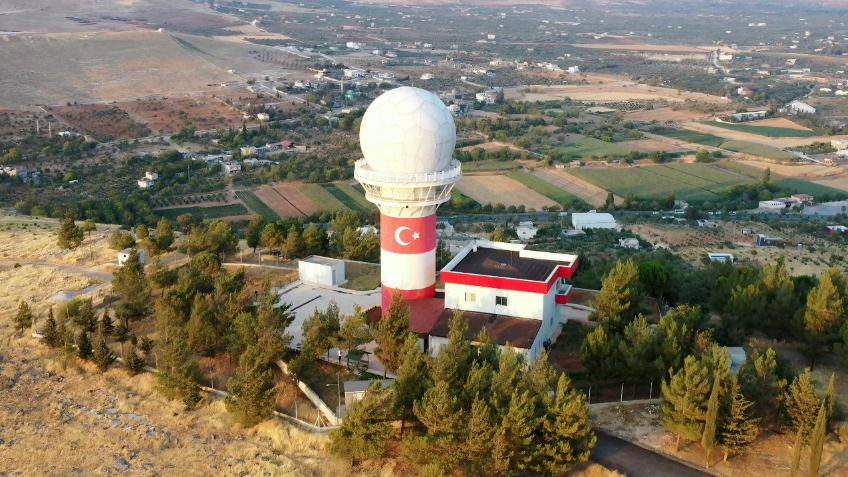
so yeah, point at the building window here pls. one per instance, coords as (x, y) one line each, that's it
(500, 300)
(470, 297)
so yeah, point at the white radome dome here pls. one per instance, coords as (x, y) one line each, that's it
(407, 130)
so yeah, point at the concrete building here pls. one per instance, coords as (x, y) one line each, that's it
(574, 69)
(151, 175)
(721, 257)
(629, 243)
(526, 230)
(145, 183)
(124, 255)
(427, 76)
(322, 271)
(230, 168)
(771, 205)
(801, 107)
(593, 220)
(766, 241)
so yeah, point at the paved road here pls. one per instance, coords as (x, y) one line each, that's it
(634, 461)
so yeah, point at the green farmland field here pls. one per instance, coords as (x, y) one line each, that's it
(690, 182)
(763, 130)
(589, 147)
(357, 196)
(215, 212)
(758, 150)
(322, 198)
(693, 137)
(489, 165)
(257, 206)
(543, 187)
(798, 186)
(349, 201)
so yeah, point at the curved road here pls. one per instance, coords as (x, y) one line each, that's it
(634, 461)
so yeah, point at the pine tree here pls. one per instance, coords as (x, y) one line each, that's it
(825, 305)
(795, 466)
(441, 413)
(164, 237)
(103, 356)
(253, 233)
(708, 440)
(522, 426)
(122, 335)
(817, 440)
(478, 442)
(800, 403)
(597, 353)
(411, 382)
(23, 318)
(85, 320)
(767, 175)
(454, 361)
(131, 283)
(738, 429)
(108, 325)
(201, 326)
(294, 243)
(316, 240)
(146, 345)
(70, 236)
(364, 432)
(392, 331)
(177, 370)
(830, 404)
(618, 291)
(252, 393)
(50, 334)
(840, 348)
(637, 351)
(133, 363)
(566, 434)
(84, 349)
(684, 400)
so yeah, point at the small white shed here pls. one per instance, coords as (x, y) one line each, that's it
(322, 271)
(124, 255)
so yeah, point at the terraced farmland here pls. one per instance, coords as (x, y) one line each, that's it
(690, 182)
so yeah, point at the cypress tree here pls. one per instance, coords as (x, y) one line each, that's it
(392, 331)
(796, 452)
(51, 333)
(133, 363)
(817, 439)
(800, 403)
(684, 400)
(738, 429)
(84, 349)
(252, 393)
(708, 440)
(23, 318)
(103, 356)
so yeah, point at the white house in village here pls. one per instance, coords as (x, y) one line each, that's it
(526, 230)
(230, 167)
(145, 183)
(124, 255)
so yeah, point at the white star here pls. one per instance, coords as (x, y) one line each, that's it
(415, 236)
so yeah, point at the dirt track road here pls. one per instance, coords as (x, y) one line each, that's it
(592, 194)
(634, 461)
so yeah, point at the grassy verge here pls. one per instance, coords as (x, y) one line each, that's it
(763, 130)
(361, 276)
(215, 212)
(322, 198)
(489, 165)
(761, 150)
(543, 187)
(257, 206)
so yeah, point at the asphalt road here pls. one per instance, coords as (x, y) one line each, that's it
(634, 461)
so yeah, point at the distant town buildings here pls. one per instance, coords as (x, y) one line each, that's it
(230, 168)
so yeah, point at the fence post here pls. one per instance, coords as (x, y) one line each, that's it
(622, 393)
(590, 394)
(651, 392)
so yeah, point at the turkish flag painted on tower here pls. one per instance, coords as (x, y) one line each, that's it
(407, 235)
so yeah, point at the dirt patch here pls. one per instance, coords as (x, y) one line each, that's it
(101, 121)
(592, 194)
(801, 170)
(277, 202)
(641, 47)
(778, 123)
(169, 115)
(35, 284)
(648, 145)
(501, 189)
(293, 194)
(664, 114)
(34, 239)
(840, 183)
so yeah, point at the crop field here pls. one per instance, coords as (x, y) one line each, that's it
(648, 145)
(755, 149)
(588, 192)
(693, 137)
(499, 189)
(101, 121)
(588, 148)
(768, 131)
(543, 187)
(489, 166)
(167, 116)
(690, 182)
(279, 199)
(350, 197)
(257, 206)
(216, 212)
(322, 198)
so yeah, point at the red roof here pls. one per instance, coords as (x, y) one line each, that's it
(426, 312)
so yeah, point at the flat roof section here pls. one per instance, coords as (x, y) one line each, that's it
(506, 264)
(518, 332)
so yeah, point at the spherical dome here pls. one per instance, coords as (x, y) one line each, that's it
(407, 130)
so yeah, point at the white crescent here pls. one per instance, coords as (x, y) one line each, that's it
(397, 235)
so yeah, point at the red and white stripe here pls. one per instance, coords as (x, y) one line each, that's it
(408, 256)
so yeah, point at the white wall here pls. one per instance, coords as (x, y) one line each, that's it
(519, 304)
(321, 273)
